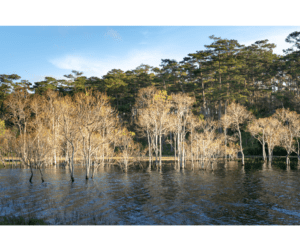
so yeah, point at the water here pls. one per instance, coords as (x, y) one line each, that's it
(254, 195)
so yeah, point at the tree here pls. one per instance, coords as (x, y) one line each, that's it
(18, 112)
(198, 72)
(225, 123)
(128, 149)
(93, 113)
(223, 56)
(49, 83)
(181, 105)
(69, 129)
(33, 148)
(257, 130)
(239, 115)
(153, 117)
(3, 141)
(272, 134)
(292, 58)
(290, 128)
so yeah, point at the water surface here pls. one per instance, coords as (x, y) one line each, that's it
(254, 195)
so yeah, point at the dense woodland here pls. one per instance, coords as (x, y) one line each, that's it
(214, 103)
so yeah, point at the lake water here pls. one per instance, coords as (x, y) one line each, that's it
(254, 195)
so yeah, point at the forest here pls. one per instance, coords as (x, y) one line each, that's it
(216, 103)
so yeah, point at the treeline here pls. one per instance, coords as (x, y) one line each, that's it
(85, 127)
(183, 104)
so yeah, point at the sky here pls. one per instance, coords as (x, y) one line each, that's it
(34, 52)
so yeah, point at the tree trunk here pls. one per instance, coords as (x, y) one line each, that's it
(270, 154)
(180, 151)
(263, 146)
(149, 145)
(203, 96)
(175, 148)
(225, 133)
(2, 160)
(192, 157)
(298, 151)
(54, 142)
(171, 141)
(160, 148)
(31, 176)
(156, 148)
(241, 148)
(72, 165)
(287, 159)
(41, 174)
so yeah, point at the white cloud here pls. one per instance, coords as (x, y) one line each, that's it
(277, 38)
(114, 35)
(94, 67)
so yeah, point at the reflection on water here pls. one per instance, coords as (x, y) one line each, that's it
(257, 194)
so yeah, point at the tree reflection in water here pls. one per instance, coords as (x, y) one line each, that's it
(254, 195)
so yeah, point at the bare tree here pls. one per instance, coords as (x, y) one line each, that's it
(17, 105)
(93, 113)
(225, 123)
(69, 128)
(239, 115)
(3, 141)
(257, 130)
(182, 105)
(36, 142)
(128, 149)
(52, 111)
(272, 134)
(290, 128)
(153, 118)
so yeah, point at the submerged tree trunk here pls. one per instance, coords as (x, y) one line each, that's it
(192, 149)
(31, 176)
(54, 143)
(160, 151)
(171, 141)
(180, 152)
(241, 147)
(149, 144)
(264, 148)
(2, 160)
(72, 165)
(175, 148)
(42, 177)
(298, 152)
(156, 148)
(225, 134)
(270, 154)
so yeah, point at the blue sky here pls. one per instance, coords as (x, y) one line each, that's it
(34, 52)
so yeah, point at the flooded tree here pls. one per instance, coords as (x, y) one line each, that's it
(53, 116)
(181, 104)
(154, 118)
(225, 123)
(3, 140)
(18, 112)
(257, 130)
(272, 134)
(69, 129)
(128, 149)
(36, 142)
(239, 115)
(289, 130)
